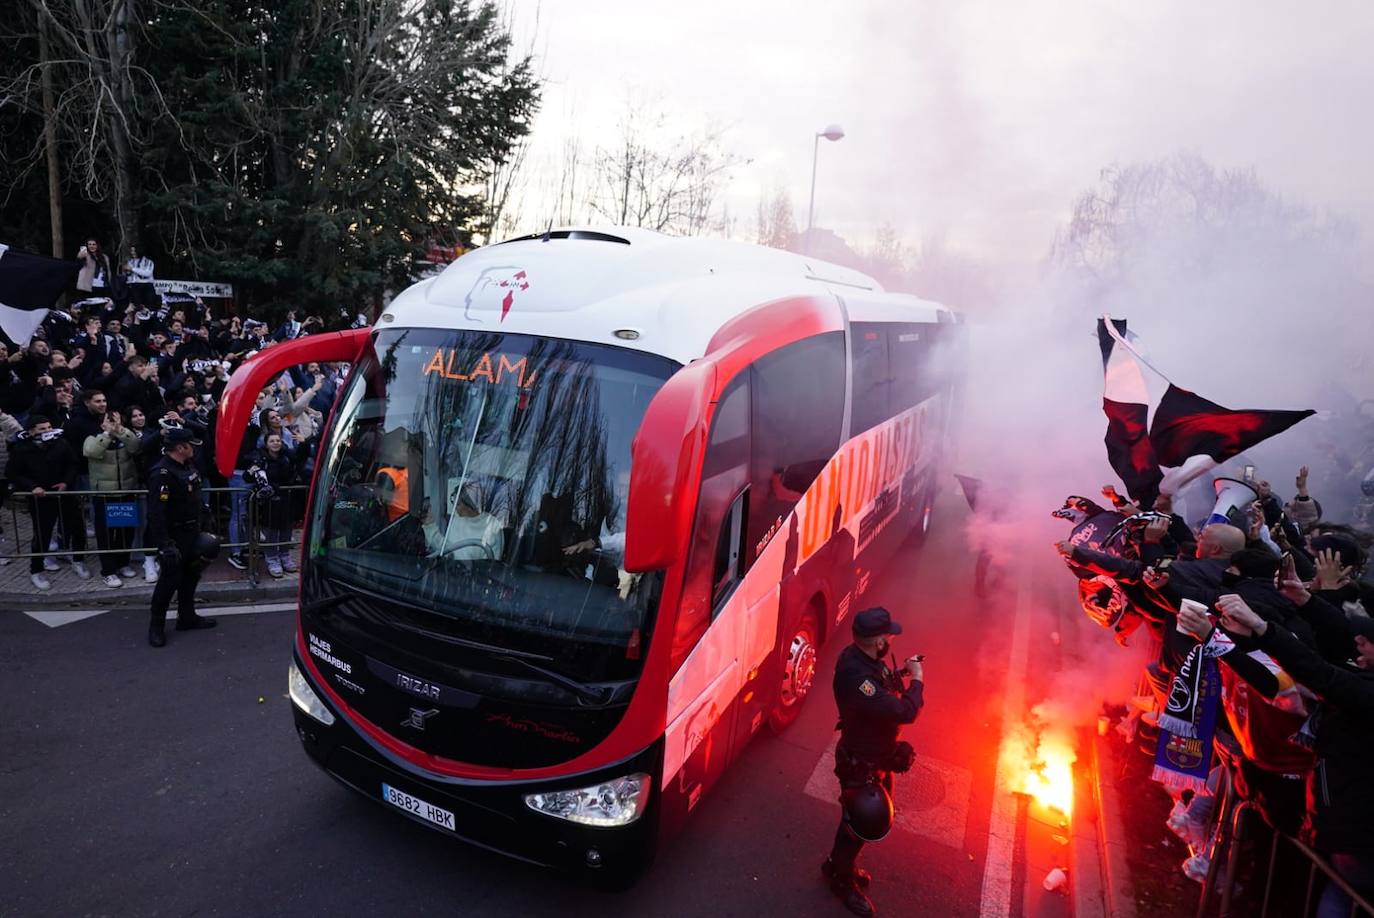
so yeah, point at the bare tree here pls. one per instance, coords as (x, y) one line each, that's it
(502, 176)
(886, 259)
(91, 43)
(777, 227)
(660, 181)
(50, 154)
(1182, 198)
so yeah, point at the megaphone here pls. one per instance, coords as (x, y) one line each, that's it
(1233, 500)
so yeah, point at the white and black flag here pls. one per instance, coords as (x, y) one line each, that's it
(1186, 435)
(29, 286)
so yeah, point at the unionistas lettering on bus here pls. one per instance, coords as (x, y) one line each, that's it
(446, 362)
(864, 467)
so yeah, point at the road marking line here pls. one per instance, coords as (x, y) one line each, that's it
(244, 610)
(931, 800)
(56, 618)
(997, 873)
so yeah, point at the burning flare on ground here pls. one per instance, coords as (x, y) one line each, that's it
(1042, 765)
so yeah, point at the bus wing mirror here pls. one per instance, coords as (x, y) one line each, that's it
(241, 394)
(664, 460)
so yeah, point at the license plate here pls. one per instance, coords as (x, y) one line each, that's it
(417, 807)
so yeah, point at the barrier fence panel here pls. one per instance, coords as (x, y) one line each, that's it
(1230, 832)
(236, 515)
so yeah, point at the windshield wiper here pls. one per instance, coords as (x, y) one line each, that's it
(599, 695)
(359, 591)
(524, 656)
(328, 602)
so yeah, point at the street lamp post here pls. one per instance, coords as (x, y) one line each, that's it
(832, 132)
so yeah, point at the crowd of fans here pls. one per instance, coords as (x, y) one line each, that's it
(83, 406)
(1273, 606)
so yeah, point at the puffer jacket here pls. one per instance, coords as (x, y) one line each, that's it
(112, 460)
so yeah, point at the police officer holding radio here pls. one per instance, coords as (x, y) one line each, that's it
(174, 527)
(874, 701)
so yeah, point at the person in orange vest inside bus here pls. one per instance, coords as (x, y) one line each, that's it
(393, 490)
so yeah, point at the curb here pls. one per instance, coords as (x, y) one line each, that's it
(221, 593)
(1117, 898)
(1086, 868)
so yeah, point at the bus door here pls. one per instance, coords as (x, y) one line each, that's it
(703, 692)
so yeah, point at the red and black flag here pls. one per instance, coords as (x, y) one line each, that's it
(29, 286)
(1125, 401)
(1187, 434)
(1187, 425)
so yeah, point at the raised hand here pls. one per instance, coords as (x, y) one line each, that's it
(1331, 575)
(1301, 481)
(1238, 617)
(1155, 580)
(1256, 521)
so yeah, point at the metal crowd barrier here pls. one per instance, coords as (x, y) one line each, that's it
(1231, 827)
(127, 509)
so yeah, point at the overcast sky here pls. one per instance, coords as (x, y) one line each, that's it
(978, 120)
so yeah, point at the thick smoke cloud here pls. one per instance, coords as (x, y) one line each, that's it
(1237, 293)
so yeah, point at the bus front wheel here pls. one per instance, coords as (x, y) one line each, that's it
(799, 653)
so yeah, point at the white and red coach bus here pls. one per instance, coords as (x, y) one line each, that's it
(587, 507)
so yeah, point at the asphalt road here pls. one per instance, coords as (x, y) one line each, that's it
(143, 782)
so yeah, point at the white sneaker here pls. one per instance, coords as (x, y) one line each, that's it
(1178, 820)
(274, 567)
(111, 581)
(127, 572)
(80, 568)
(149, 570)
(1195, 868)
(50, 564)
(40, 581)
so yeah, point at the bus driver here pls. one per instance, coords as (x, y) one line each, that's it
(471, 534)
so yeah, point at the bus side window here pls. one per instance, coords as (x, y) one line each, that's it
(909, 350)
(798, 414)
(870, 405)
(724, 486)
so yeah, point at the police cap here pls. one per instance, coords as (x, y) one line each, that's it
(171, 436)
(875, 622)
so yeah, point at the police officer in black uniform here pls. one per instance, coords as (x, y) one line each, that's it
(874, 702)
(174, 528)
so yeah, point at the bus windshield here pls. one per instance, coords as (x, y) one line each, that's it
(481, 478)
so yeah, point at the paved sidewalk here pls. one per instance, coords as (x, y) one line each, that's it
(222, 583)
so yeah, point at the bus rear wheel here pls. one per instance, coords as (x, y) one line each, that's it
(799, 653)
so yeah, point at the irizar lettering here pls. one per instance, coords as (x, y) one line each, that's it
(417, 686)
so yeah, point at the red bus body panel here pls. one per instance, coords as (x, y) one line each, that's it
(241, 394)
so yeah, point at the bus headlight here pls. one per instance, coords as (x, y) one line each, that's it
(304, 697)
(612, 803)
